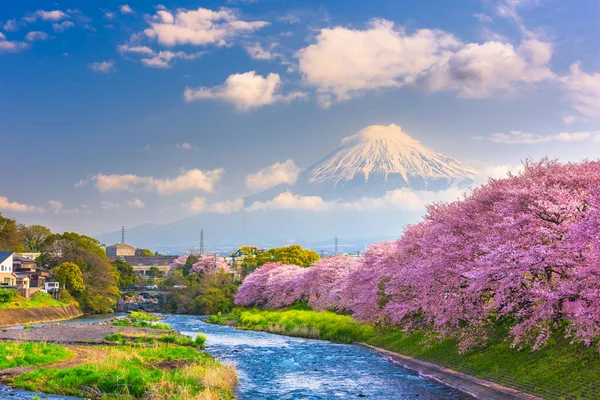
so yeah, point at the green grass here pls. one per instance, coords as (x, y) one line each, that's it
(14, 354)
(139, 319)
(174, 338)
(39, 299)
(303, 323)
(160, 372)
(559, 370)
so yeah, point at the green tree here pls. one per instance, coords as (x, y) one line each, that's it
(126, 274)
(69, 276)
(33, 236)
(155, 272)
(9, 235)
(143, 252)
(189, 263)
(293, 254)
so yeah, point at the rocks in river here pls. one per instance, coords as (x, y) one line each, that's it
(141, 302)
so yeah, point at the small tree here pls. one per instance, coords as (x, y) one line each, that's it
(69, 276)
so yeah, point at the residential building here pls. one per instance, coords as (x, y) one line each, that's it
(30, 255)
(236, 259)
(7, 278)
(37, 276)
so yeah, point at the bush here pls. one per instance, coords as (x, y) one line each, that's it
(6, 295)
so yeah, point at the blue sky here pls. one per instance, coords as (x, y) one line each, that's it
(119, 113)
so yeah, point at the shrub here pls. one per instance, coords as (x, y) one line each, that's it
(6, 295)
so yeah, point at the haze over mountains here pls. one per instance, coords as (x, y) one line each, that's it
(380, 171)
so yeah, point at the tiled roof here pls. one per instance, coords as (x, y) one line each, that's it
(157, 261)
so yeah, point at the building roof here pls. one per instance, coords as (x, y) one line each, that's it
(151, 261)
(121, 245)
(5, 254)
(23, 259)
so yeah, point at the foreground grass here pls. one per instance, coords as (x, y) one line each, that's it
(303, 323)
(39, 299)
(13, 354)
(559, 370)
(160, 371)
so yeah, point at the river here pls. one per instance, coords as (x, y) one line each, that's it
(273, 367)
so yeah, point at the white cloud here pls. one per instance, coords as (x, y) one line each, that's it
(185, 146)
(197, 205)
(55, 15)
(345, 63)
(36, 35)
(519, 137)
(56, 206)
(256, 52)
(199, 27)
(12, 47)
(104, 67)
(226, 207)
(193, 179)
(273, 175)
(125, 9)
(495, 171)
(160, 59)
(109, 205)
(11, 25)
(63, 26)
(584, 90)
(13, 206)
(290, 201)
(136, 203)
(245, 91)
(483, 17)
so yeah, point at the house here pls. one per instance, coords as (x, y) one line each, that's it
(236, 259)
(30, 255)
(142, 264)
(7, 278)
(119, 250)
(25, 265)
(52, 287)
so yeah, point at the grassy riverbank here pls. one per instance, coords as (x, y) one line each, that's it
(14, 354)
(559, 370)
(38, 300)
(129, 363)
(301, 323)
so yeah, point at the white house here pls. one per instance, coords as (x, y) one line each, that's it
(7, 278)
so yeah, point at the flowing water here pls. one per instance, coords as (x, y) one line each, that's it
(273, 367)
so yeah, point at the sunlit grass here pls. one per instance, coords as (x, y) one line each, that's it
(18, 354)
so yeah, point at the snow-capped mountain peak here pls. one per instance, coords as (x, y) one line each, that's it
(380, 152)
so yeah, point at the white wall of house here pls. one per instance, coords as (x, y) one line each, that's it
(7, 265)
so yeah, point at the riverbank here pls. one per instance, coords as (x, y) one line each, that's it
(37, 315)
(559, 370)
(113, 361)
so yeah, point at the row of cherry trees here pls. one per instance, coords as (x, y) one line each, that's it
(204, 264)
(523, 251)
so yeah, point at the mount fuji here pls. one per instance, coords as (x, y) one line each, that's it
(373, 161)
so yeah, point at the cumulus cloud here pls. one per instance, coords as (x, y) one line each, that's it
(136, 203)
(13, 206)
(226, 207)
(185, 146)
(584, 90)
(7, 46)
(197, 205)
(193, 179)
(345, 63)
(245, 91)
(104, 67)
(519, 137)
(11, 25)
(257, 52)
(158, 59)
(273, 175)
(290, 201)
(55, 15)
(36, 35)
(199, 27)
(125, 9)
(58, 208)
(63, 26)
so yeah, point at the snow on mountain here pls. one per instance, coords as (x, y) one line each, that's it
(381, 152)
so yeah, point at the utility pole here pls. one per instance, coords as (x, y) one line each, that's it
(336, 245)
(201, 242)
(215, 263)
(123, 234)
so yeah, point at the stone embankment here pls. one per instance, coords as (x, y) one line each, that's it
(24, 316)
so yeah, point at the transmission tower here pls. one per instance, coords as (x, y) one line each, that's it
(201, 242)
(122, 234)
(336, 245)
